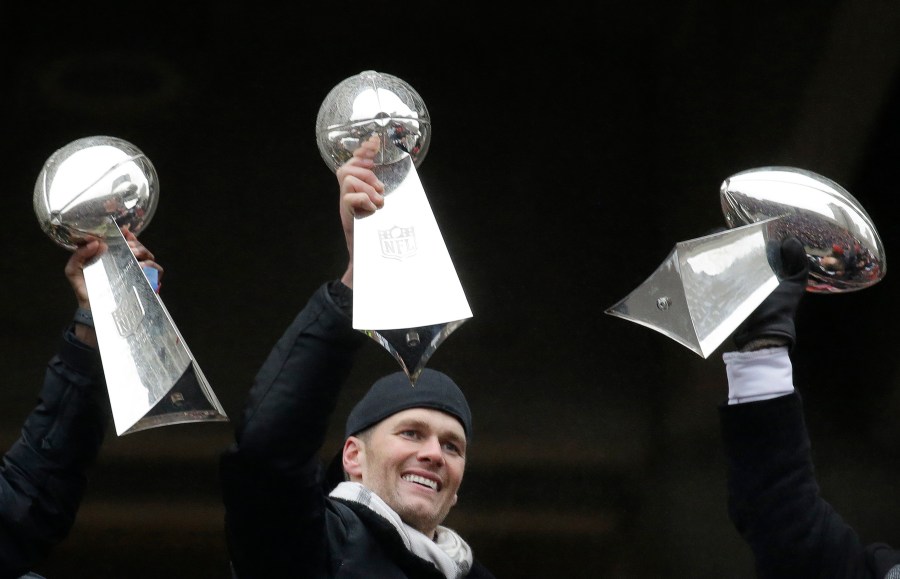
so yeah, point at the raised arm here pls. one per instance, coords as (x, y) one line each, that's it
(773, 496)
(272, 475)
(42, 479)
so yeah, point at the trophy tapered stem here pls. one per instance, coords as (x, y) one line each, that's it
(144, 356)
(706, 287)
(403, 276)
(406, 294)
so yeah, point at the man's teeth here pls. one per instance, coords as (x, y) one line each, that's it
(420, 480)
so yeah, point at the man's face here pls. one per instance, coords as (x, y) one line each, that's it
(414, 460)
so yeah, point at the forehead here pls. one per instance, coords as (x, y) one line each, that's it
(434, 419)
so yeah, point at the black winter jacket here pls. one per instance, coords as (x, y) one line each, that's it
(42, 476)
(773, 499)
(280, 521)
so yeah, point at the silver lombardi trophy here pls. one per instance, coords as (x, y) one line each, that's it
(406, 294)
(94, 187)
(707, 286)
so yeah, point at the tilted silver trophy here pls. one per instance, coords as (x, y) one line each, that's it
(92, 187)
(707, 286)
(406, 293)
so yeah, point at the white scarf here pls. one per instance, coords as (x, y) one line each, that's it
(450, 554)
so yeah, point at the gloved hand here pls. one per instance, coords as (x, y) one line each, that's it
(773, 320)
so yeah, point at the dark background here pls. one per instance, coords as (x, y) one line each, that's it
(571, 149)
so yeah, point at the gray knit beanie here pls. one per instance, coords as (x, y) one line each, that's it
(394, 393)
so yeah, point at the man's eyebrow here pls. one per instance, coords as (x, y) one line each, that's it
(415, 422)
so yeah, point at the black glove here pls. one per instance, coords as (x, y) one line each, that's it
(774, 317)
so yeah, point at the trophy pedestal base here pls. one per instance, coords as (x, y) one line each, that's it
(187, 401)
(412, 347)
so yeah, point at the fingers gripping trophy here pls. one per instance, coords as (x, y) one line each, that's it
(93, 188)
(406, 294)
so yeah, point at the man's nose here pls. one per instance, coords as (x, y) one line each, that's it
(432, 450)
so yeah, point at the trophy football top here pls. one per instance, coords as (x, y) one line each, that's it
(93, 186)
(844, 248)
(373, 103)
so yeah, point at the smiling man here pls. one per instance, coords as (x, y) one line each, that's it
(402, 460)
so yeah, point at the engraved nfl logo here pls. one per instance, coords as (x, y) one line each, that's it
(398, 242)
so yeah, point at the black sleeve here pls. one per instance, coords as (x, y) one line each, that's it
(773, 496)
(271, 476)
(42, 478)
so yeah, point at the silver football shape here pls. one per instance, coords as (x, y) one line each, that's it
(844, 249)
(92, 187)
(373, 103)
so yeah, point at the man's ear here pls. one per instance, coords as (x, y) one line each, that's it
(354, 457)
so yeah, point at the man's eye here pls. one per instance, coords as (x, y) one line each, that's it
(450, 447)
(409, 433)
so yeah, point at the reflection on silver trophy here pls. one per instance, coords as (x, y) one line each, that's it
(406, 294)
(93, 187)
(707, 286)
